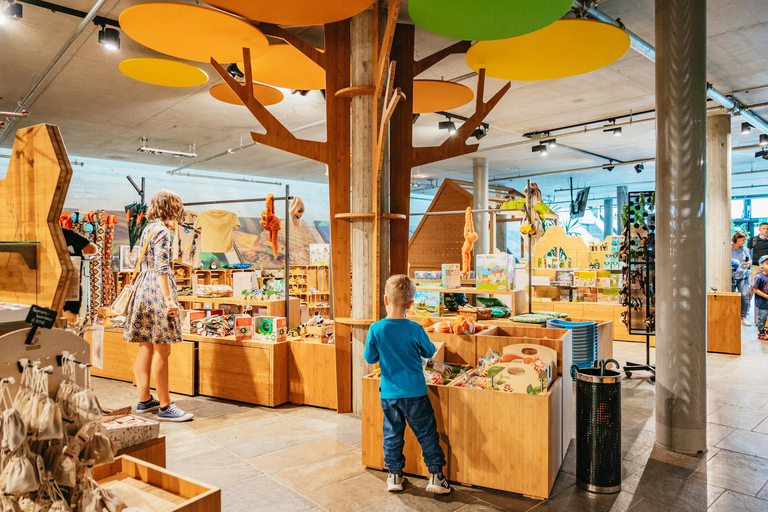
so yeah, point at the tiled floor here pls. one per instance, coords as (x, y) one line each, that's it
(302, 458)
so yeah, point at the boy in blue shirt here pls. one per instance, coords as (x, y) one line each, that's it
(399, 345)
(760, 287)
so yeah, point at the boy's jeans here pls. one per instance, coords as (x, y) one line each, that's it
(420, 416)
(762, 315)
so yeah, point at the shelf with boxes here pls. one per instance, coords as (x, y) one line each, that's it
(311, 283)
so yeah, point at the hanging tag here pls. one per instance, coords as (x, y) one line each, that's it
(39, 317)
(97, 347)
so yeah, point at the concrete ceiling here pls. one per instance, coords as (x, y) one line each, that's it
(104, 114)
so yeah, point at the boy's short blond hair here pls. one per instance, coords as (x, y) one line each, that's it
(400, 290)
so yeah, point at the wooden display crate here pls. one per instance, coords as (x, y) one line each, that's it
(459, 349)
(120, 355)
(505, 441)
(723, 322)
(312, 374)
(149, 487)
(245, 371)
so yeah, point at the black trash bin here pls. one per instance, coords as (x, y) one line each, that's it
(598, 429)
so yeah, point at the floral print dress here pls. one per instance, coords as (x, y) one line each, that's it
(147, 320)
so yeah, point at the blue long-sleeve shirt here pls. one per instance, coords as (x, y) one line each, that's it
(399, 345)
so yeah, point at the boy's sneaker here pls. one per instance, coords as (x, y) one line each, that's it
(171, 412)
(150, 405)
(762, 336)
(395, 482)
(438, 484)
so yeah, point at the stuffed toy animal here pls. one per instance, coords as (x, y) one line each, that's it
(444, 327)
(459, 326)
(271, 223)
(470, 237)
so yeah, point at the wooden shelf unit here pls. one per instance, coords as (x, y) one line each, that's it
(270, 307)
(314, 277)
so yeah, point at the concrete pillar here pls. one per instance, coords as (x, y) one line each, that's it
(622, 195)
(362, 197)
(608, 217)
(480, 202)
(719, 202)
(681, 278)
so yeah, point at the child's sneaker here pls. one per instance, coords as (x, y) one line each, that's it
(438, 484)
(150, 405)
(171, 412)
(762, 336)
(395, 482)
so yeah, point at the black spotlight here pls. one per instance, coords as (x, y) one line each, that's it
(481, 131)
(763, 139)
(447, 125)
(234, 71)
(639, 168)
(609, 168)
(746, 128)
(110, 38)
(299, 92)
(14, 12)
(763, 153)
(416, 118)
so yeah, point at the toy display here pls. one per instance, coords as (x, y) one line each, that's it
(497, 307)
(243, 327)
(271, 224)
(214, 290)
(470, 237)
(458, 325)
(521, 368)
(440, 374)
(427, 303)
(215, 326)
(494, 272)
(451, 275)
(270, 328)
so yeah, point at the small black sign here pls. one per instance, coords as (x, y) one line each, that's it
(41, 317)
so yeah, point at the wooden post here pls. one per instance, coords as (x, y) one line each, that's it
(363, 259)
(337, 72)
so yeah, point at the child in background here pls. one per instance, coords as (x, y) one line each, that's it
(399, 345)
(760, 287)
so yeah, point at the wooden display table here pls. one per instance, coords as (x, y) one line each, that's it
(312, 374)
(248, 371)
(266, 307)
(119, 356)
(506, 441)
(149, 487)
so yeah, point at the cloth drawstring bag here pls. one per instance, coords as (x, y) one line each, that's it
(85, 405)
(50, 424)
(8, 504)
(19, 475)
(99, 450)
(111, 500)
(14, 430)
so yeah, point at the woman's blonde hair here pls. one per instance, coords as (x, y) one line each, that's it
(738, 236)
(165, 205)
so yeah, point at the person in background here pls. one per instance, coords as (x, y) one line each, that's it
(758, 244)
(399, 345)
(740, 275)
(153, 319)
(760, 287)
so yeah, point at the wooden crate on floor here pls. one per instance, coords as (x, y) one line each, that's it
(149, 487)
(312, 374)
(373, 417)
(724, 322)
(120, 355)
(245, 371)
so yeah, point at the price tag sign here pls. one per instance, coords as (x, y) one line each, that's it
(39, 317)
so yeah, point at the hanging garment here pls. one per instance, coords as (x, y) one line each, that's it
(217, 226)
(187, 242)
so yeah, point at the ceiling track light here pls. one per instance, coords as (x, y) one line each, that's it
(746, 128)
(447, 125)
(154, 151)
(552, 143)
(110, 38)
(763, 139)
(541, 149)
(234, 71)
(609, 168)
(763, 153)
(481, 131)
(639, 168)
(15, 11)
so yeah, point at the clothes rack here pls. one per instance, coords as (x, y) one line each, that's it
(287, 198)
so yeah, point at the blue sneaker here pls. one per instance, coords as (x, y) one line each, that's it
(150, 405)
(171, 412)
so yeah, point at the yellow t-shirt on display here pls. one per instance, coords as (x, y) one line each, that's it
(217, 226)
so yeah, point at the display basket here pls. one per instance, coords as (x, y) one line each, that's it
(475, 314)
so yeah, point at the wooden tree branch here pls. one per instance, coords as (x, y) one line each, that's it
(391, 99)
(307, 49)
(424, 64)
(382, 54)
(456, 145)
(277, 136)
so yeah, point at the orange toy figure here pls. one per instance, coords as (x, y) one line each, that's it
(470, 237)
(271, 223)
(444, 327)
(462, 325)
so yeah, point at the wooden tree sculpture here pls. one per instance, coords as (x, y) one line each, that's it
(404, 156)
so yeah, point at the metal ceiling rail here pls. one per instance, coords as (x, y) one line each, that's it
(647, 50)
(26, 101)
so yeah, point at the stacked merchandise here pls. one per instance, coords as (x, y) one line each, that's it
(49, 446)
(216, 326)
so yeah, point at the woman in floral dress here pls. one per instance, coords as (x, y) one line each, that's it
(153, 318)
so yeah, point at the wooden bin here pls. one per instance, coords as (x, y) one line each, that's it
(459, 349)
(724, 322)
(245, 371)
(373, 418)
(312, 374)
(149, 487)
(120, 355)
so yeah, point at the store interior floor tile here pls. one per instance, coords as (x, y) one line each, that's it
(294, 458)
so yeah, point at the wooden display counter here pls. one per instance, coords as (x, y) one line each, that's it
(149, 487)
(248, 371)
(264, 307)
(120, 355)
(312, 374)
(508, 441)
